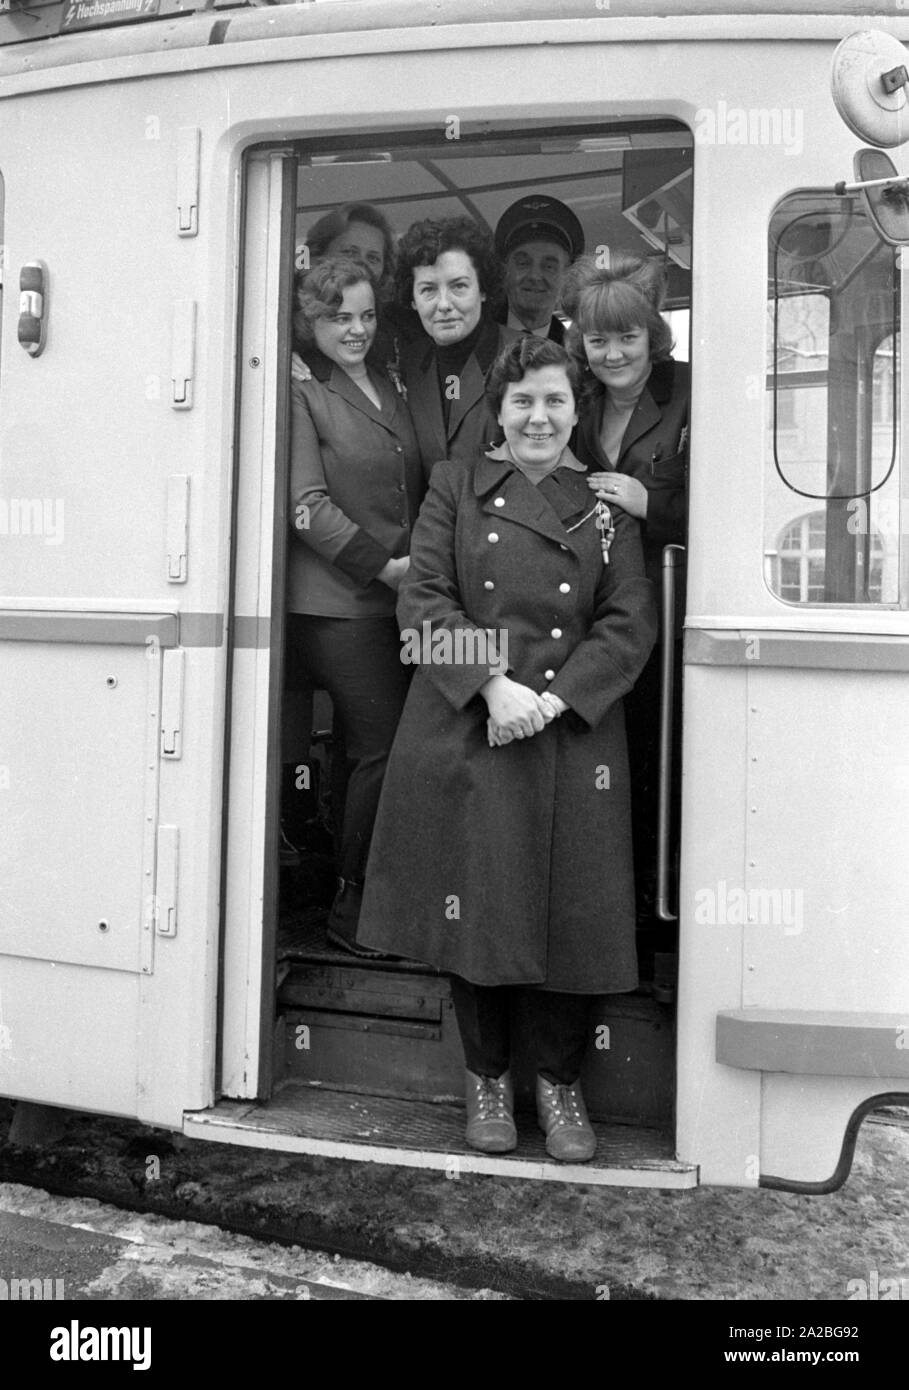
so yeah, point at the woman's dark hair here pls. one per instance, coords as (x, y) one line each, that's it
(528, 353)
(627, 295)
(334, 224)
(424, 242)
(320, 292)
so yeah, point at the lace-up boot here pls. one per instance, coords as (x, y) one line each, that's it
(490, 1113)
(563, 1119)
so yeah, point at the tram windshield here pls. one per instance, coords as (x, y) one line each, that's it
(832, 513)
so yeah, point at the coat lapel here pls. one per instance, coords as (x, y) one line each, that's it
(471, 388)
(425, 402)
(647, 414)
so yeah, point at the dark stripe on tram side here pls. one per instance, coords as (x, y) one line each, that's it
(817, 651)
(132, 629)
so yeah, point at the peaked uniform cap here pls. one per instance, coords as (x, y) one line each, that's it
(537, 217)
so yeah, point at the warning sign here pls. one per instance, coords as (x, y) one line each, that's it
(93, 14)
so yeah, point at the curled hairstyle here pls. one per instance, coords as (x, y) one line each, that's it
(630, 294)
(528, 353)
(320, 293)
(424, 242)
(334, 224)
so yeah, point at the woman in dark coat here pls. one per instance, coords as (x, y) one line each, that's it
(632, 436)
(502, 849)
(355, 489)
(448, 272)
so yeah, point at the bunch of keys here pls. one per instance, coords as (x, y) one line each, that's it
(606, 529)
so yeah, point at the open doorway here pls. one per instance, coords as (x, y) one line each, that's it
(367, 1051)
(383, 1028)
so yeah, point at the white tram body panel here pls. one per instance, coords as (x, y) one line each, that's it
(134, 972)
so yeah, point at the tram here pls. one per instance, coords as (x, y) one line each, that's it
(160, 163)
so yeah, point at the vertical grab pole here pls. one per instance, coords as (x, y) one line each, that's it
(672, 558)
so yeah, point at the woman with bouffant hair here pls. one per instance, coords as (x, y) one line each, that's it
(355, 489)
(632, 435)
(360, 232)
(449, 274)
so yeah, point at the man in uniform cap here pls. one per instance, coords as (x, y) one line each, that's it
(537, 238)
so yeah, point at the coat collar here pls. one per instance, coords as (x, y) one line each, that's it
(423, 384)
(648, 411)
(337, 380)
(546, 507)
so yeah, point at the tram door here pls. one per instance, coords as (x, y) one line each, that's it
(111, 700)
(341, 1021)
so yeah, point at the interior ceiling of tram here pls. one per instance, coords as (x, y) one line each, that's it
(634, 198)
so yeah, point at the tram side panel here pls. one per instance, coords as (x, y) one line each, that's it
(793, 961)
(108, 937)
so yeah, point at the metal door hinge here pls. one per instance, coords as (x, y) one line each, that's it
(183, 353)
(177, 527)
(167, 880)
(188, 138)
(172, 702)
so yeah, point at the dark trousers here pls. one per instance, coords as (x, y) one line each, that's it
(558, 1024)
(358, 661)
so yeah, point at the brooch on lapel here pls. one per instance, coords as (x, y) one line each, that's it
(603, 524)
(397, 380)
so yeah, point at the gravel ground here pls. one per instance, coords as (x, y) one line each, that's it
(527, 1239)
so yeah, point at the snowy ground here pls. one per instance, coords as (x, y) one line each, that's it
(527, 1239)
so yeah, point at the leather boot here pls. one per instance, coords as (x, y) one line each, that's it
(344, 918)
(490, 1113)
(563, 1119)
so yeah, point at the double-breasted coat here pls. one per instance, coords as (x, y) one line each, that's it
(653, 450)
(471, 422)
(512, 865)
(356, 485)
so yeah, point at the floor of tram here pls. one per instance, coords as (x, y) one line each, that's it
(368, 1065)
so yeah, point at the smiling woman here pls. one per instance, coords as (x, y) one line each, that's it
(491, 797)
(356, 487)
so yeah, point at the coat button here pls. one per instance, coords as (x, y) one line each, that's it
(564, 588)
(499, 502)
(488, 584)
(549, 675)
(556, 632)
(493, 537)
(399, 449)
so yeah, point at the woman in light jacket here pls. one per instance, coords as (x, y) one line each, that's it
(355, 489)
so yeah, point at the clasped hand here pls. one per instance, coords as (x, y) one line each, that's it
(516, 711)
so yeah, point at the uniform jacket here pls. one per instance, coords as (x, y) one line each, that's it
(556, 332)
(653, 450)
(512, 865)
(471, 422)
(355, 489)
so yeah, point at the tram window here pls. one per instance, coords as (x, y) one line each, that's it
(832, 389)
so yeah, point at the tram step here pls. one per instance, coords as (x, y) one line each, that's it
(391, 1032)
(313, 1119)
